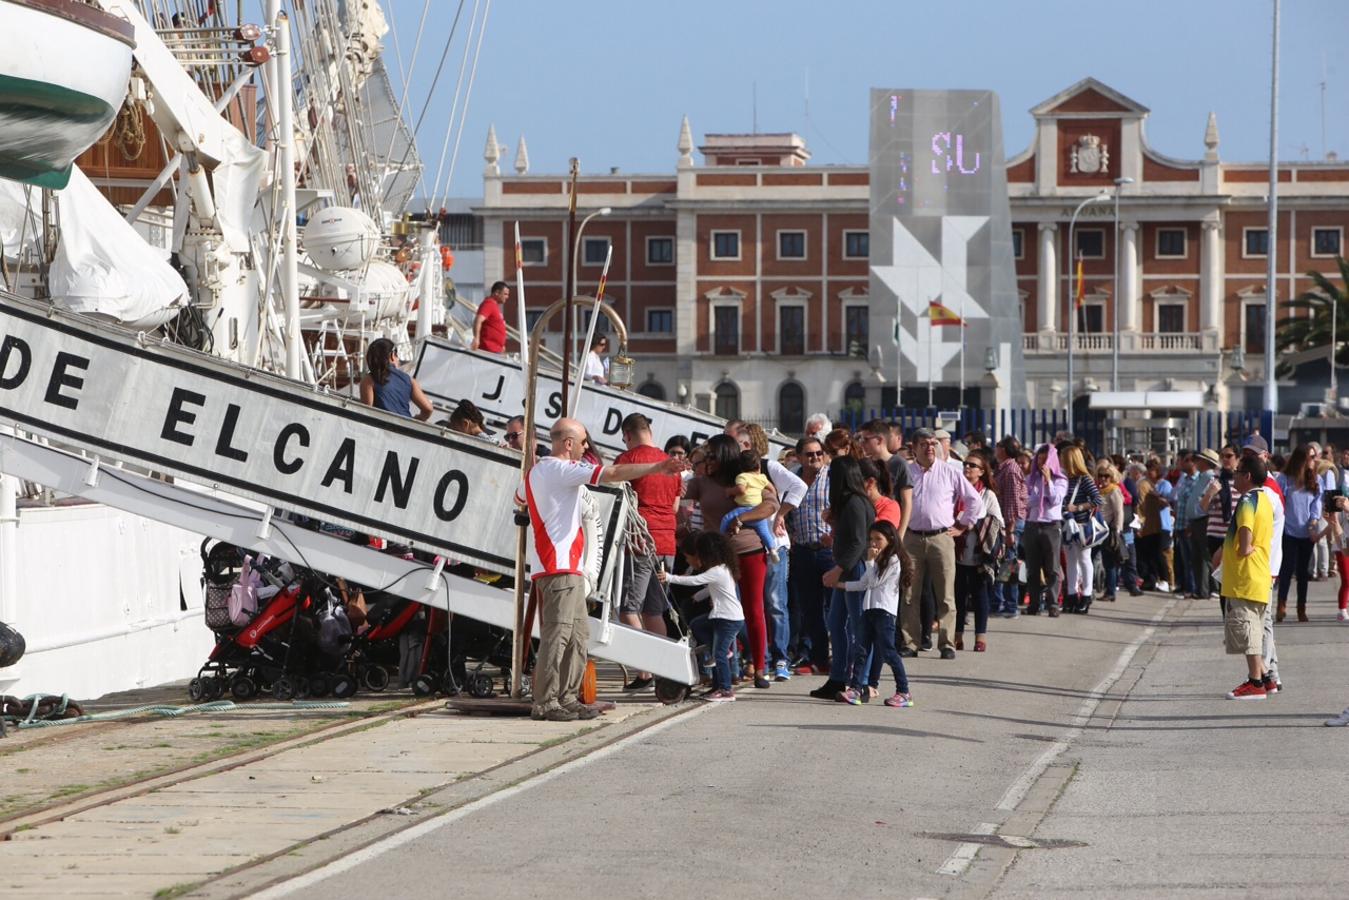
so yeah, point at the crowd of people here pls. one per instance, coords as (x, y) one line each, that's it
(853, 550)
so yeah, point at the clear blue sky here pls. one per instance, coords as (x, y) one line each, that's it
(607, 81)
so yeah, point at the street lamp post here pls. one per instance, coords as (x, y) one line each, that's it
(571, 352)
(1114, 341)
(1334, 320)
(1072, 297)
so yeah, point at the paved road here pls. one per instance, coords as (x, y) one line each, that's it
(1099, 749)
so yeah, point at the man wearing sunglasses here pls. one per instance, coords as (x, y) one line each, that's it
(811, 557)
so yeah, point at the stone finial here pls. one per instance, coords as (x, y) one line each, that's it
(492, 152)
(521, 157)
(1211, 137)
(685, 144)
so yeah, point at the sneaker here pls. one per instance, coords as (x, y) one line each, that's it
(947, 653)
(1272, 686)
(1343, 615)
(722, 696)
(781, 672)
(1339, 721)
(1009, 613)
(762, 683)
(927, 642)
(906, 653)
(583, 712)
(1248, 690)
(806, 669)
(850, 696)
(902, 700)
(558, 714)
(638, 684)
(1163, 587)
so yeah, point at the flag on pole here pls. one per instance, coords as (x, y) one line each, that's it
(1081, 288)
(942, 315)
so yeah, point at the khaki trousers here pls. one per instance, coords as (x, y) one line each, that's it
(564, 629)
(934, 558)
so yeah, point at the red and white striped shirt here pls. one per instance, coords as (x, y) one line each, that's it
(553, 492)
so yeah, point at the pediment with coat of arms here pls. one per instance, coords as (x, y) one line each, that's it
(1089, 156)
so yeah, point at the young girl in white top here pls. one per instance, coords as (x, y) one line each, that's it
(716, 569)
(883, 579)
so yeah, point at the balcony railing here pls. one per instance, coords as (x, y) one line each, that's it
(1176, 341)
(1181, 342)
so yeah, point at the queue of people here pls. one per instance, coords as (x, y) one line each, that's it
(851, 551)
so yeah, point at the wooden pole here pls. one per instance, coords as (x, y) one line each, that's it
(570, 288)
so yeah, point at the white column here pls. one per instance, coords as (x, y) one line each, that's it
(1047, 284)
(1211, 280)
(1129, 316)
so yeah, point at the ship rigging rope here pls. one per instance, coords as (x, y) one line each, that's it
(449, 121)
(468, 94)
(407, 75)
(430, 92)
(40, 705)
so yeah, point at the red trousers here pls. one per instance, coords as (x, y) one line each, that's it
(753, 569)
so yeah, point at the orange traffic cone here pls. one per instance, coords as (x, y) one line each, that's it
(590, 685)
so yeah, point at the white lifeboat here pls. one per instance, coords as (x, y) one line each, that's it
(65, 74)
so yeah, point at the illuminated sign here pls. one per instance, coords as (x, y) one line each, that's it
(941, 233)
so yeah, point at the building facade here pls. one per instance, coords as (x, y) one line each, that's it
(743, 280)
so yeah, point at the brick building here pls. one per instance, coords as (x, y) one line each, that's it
(744, 280)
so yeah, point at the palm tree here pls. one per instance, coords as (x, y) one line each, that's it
(1312, 328)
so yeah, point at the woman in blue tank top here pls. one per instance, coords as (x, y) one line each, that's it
(387, 387)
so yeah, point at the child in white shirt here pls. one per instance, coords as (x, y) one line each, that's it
(883, 579)
(712, 559)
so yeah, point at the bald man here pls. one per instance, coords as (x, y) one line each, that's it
(553, 491)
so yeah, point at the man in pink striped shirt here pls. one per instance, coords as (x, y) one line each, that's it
(945, 505)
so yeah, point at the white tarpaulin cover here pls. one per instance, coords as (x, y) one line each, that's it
(104, 267)
(14, 208)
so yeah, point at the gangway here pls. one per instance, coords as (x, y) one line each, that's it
(240, 444)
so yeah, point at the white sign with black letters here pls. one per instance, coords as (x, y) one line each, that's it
(258, 435)
(449, 374)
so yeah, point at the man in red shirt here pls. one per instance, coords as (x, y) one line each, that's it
(657, 500)
(489, 327)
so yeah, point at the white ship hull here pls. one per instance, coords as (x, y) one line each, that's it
(99, 597)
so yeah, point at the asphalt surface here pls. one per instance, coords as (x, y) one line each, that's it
(1099, 749)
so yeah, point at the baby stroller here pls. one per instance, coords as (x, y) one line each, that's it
(291, 643)
(400, 637)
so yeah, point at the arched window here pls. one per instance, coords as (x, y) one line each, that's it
(653, 390)
(791, 408)
(854, 401)
(728, 400)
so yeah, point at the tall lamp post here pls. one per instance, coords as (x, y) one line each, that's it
(571, 352)
(1114, 341)
(1334, 320)
(1072, 297)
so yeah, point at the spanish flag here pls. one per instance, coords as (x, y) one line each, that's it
(942, 315)
(1081, 288)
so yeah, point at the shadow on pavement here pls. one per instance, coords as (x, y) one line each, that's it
(877, 729)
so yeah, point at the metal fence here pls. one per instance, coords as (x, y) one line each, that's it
(1198, 429)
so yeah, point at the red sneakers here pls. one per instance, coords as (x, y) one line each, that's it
(1248, 690)
(1272, 686)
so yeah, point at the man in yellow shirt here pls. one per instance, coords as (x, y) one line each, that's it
(1246, 575)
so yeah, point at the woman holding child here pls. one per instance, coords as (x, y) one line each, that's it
(714, 489)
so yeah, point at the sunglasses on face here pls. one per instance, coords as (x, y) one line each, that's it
(514, 435)
(813, 454)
